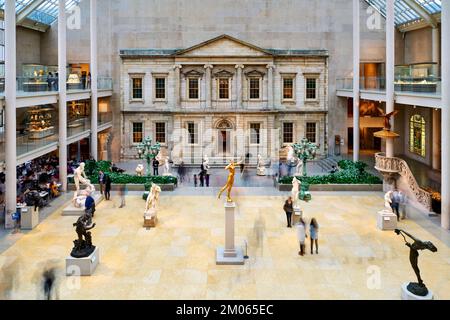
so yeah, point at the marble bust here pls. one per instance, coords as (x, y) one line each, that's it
(295, 191)
(140, 170)
(151, 206)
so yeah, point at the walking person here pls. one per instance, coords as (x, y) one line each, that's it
(314, 235)
(123, 193)
(301, 236)
(101, 181)
(202, 178)
(195, 181)
(155, 167)
(395, 204)
(181, 172)
(288, 208)
(107, 187)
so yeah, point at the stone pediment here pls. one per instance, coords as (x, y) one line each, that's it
(255, 74)
(193, 73)
(224, 46)
(223, 74)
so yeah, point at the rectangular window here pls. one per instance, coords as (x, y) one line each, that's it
(193, 88)
(192, 133)
(255, 133)
(224, 88)
(160, 132)
(288, 88)
(136, 89)
(138, 133)
(311, 89)
(254, 88)
(288, 132)
(160, 88)
(311, 131)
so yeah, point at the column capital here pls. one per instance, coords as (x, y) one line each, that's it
(208, 66)
(177, 66)
(270, 66)
(239, 66)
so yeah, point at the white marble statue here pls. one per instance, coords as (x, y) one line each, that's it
(206, 165)
(140, 170)
(79, 197)
(261, 166)
(151, 206)
(81, 178)
(295, 192)
(388, 200)
(167, 167)
(292, 159)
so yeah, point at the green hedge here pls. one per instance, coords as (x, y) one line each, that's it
(92, 169)
(350, 173)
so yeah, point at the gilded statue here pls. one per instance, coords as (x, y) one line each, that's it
(230, 181)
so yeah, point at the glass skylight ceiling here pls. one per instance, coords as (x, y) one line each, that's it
(46, 13)
(403, 12)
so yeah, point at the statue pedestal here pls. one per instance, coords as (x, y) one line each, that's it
(150, 219)
(71, 210)
(407, 295)
(229, 255)
(386, 220)
(298, 213)
(29, 218)
(261, 172)
(82, 266)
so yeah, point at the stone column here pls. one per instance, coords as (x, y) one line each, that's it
(436, 161)
(229, 255)
(208, 80)
(178, 85)
(62, 71)
(436, 45)
(10, 112)
(356, 72)
(270, 95)
(390, 61)
(94, 76)
(445, 30)
(239, 83)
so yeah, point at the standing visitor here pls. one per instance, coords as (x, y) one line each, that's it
(123, 193)
(90, 205)
(107, 187)
(314, 235)
(195, 181)
(202, 178)
(301, 236)
(101, 181)
(395, 204)
(288, 208)
(155, 167)
(181, 172)
(88, 81)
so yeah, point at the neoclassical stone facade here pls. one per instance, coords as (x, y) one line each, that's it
(223, 98)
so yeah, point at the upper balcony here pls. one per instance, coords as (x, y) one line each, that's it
(424, 92)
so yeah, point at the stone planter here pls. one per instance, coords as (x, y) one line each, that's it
(337, 187)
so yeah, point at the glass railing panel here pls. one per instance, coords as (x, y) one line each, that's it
(373, 83)
(104, 83)
(27, 85)
(29, 141)
(344, 84)
(104, 117)
(78, 126)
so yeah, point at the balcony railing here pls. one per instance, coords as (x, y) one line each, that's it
(78, 126)
(104, 117)
(430, 85)
(27, 85)
(30, 141)
(104, 83)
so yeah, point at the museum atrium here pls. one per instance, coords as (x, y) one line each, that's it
(121, 121)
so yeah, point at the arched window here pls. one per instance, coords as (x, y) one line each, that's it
(417, 135)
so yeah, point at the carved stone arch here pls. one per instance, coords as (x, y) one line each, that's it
(224, 124)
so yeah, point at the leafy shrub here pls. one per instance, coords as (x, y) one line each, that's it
(350, 173)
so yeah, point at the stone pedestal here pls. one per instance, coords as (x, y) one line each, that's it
(407, 295)
(82, 266)
(261, 171)
(71, 210)
(29, 218)
(386, 220)
(150, 222)
(298, 213)
(229, 255)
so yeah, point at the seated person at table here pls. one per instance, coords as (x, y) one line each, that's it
(54, 189)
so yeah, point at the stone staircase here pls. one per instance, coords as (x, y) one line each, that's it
(326, 165)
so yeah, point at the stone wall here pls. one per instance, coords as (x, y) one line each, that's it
(28, 48)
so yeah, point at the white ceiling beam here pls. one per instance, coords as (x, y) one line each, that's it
(422, 12)
(27, 10)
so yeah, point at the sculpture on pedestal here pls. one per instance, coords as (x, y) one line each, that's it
(292, 160)
(81, 178)
(230, 181)
(305, 151)
(295, 193)
(83, 247)
(388, 201)
(167, 167)
(151, 205)
(79, 197)
(260, 169)
(417, 288)
(140, 170)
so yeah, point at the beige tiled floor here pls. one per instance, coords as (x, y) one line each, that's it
(177, 259)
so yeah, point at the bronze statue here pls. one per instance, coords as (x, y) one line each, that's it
(387, 118)
(230, 181)
(83, 247)
(419, 289)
